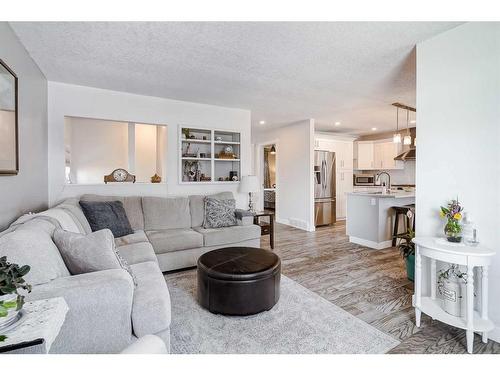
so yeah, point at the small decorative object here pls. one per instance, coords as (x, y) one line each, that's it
(233, 174)
(155, 179)
(469, 233)
(204, 137)
(185, 133)
(11, 282)
(203, 155)
(192, 137)
(250, 185)
(452, 229)
(407, 249)
(228, 149)
(225, 155)
(221, 178)
(9, 143)
(218, 138)
(450, 285)
(119, 175)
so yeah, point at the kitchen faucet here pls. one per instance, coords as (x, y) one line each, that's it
(377, 178)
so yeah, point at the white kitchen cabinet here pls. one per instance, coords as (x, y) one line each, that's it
(378, 155)
(344, 185)
(365, 155)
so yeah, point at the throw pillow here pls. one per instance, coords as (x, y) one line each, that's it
(219, 213)
(107, 215)
(89, 253)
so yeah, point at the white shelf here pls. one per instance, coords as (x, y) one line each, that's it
(207, 141)
(226, 143)
(434, 308)
(210, 165)
(199, 159)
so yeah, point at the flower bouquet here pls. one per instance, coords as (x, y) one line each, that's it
(453, 213)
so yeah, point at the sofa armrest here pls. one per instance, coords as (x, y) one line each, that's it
(244, 217)
(99, 316)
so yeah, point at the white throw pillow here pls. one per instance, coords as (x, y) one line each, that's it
(89, 253)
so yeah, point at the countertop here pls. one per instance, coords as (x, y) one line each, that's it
(392, 194)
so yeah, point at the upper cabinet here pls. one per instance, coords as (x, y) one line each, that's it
(378, 155)
(343, 150)
(365, 155)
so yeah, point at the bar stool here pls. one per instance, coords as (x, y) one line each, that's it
(410, 220)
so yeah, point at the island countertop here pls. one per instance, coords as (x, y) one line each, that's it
(392, 194)
(370, 217)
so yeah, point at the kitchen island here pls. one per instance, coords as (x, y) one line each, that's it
(370, 218)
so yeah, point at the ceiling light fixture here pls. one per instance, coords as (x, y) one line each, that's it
(262, 122)
(407, 138)
(337, 123)
(373, 129)
(396, 138)
(413, 121)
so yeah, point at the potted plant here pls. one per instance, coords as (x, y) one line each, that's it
(407, 249)
(450, 285)
(453, 213)
(11, 283)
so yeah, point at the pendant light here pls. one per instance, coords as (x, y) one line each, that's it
(396, 138)
(273, 150)
(407, 137)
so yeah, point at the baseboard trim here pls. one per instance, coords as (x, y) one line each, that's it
(371, 244)
(287, 222)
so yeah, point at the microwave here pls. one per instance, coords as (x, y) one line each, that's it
(364, 180)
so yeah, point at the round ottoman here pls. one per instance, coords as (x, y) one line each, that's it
(238, 280)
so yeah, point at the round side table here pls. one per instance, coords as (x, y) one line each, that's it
(436, 249)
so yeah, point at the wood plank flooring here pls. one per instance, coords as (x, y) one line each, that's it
(370, 284)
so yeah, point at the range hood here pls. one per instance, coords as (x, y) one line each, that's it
(407, 155)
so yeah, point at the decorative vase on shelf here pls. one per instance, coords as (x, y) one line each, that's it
(453, 213)
(453, 231)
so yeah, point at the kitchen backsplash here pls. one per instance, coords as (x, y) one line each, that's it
(404, 176)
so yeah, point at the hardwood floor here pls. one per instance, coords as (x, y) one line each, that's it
(370, 284)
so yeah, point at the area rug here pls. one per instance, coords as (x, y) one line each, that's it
(301, 322)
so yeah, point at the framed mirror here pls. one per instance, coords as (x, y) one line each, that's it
(9, 148)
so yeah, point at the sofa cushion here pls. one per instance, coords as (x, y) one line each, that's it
(132, 206)
(197, 206)
(219, 213)
(168, 240)
(151, 307)
(166, 213)
(228, 235)
(137, 253)
(87, 253)
(31, 244)
(107, 215)
(137, 236)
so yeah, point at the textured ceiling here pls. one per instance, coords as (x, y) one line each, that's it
(283, 72)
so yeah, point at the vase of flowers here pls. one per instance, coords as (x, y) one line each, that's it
(453, 213)
(11, 284)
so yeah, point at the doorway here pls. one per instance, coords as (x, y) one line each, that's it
(267, 166)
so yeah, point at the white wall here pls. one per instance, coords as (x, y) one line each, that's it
(294, 171)
(28, 190)
(458, 101)
(96, 148)
(80, 101)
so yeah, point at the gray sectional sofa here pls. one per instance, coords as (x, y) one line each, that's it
(107, 312)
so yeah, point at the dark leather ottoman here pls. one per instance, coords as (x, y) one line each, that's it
(238, 280)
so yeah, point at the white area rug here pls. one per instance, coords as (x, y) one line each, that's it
(301, 322)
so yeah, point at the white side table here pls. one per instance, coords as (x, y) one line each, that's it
(37, 329)
(436, 249)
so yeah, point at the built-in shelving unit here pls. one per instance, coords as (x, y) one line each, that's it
(209, 156)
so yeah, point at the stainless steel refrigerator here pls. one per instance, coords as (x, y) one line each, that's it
(324, 188)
